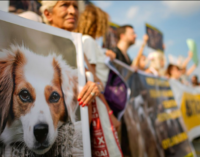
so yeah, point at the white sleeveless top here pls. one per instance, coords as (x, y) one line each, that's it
(95, 55)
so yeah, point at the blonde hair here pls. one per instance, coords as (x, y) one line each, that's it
(93, 21)
(155, 58)
(47, 5)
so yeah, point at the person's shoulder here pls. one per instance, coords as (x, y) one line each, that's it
(87, 38)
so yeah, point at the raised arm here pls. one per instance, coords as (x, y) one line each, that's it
(191, 69)
(137, 59)
(187, 60)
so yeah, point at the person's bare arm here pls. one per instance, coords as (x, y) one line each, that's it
(137, 59)
(96, 79)
(187, 60)
(191, 69)
(92, 69)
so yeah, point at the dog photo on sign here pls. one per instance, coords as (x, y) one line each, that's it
(38, 94)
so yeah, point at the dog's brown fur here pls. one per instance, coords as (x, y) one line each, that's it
(12, 80)
(6, 88)
(19, 107)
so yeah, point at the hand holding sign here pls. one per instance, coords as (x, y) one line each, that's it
(193, 48)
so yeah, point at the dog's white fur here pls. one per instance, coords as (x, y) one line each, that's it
(39, 72)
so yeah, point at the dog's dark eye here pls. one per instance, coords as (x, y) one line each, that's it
(25, 96)
(54, 97)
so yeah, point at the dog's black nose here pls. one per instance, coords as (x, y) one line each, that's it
(41, 132)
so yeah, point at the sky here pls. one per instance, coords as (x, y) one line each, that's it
(178, 20)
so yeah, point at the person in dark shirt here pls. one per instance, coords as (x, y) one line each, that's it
(126, 37)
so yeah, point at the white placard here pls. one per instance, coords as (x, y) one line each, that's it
(4, 5)
(43, 31)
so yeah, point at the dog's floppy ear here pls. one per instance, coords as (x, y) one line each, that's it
(70, 90)
(6, 87)
(73, 81)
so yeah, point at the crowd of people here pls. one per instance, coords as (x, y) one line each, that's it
(93, 23)
(155, 62)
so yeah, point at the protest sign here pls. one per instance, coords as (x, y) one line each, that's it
(110, 40)
(4, 5)
(190, 108)
(187, 99)
(192, 47)
(152, 125)
(41, 73)
(104, 137)
(155, 38)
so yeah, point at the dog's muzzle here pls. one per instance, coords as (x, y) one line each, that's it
(40, 132)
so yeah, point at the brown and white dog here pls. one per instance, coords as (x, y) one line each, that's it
(37, 95)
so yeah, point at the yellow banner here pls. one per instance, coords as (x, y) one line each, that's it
(190, 109)
(170, 142)
(167, 116)
(157, 82)
(169, 104)
(189, 155)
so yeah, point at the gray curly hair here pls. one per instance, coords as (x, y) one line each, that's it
(47, 5)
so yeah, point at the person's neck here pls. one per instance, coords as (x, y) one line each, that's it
(123, 46)
(69, 29)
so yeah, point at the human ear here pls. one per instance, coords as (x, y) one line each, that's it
(48, 15)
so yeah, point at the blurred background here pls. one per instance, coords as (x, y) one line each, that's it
(177, 20)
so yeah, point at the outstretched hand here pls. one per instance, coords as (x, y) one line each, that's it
(110, 54)
(115, 122)
(145, 38)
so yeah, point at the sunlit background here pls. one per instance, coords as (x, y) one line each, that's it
(178, 21)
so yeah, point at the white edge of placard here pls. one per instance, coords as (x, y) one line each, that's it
(4, 5)
(193, 133)
(76, 39)
(15, 19)
(84, 110)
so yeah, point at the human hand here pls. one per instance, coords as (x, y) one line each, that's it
(115, 122)
(163, 46)
(135, 68)
(110, 54)
(88, 93)
(145, 38)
